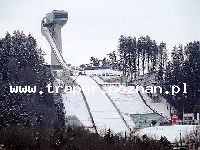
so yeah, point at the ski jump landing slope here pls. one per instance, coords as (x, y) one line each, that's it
(104, 114)
(128, 102)
(75, 105)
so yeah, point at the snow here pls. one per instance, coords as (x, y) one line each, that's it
(128, 102)
(101, 71)
(172, 133)
(55, 48)
(104, 113)
(75, 105)
(59, 73)
(161, 108)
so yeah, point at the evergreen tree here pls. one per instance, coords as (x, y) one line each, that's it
(22, 64)
(184, 68)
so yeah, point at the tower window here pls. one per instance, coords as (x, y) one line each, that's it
(60, 15)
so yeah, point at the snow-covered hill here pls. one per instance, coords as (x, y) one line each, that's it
(112, 110)
(161, 107)
(75, 105)
(128, 102)
(103, 112)
(172, 133)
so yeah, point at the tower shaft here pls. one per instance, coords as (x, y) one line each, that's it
(58, 39)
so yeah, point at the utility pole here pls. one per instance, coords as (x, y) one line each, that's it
(180, 137)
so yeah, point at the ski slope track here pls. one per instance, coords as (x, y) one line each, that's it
(55, 48)
(104, 113)
(127, 103)
(159, 107)
(127, 125)
(98, 109)
(75, 105)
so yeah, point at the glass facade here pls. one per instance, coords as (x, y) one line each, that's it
(60, 15)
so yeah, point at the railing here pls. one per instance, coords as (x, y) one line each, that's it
(89, 111)
(117, 109)
(62, 62)
(147, 104)
(55, 48)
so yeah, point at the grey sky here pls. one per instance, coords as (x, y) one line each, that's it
(94, 26)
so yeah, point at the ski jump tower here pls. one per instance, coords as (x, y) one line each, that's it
(51, 28)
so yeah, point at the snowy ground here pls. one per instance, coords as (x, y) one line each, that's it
(162, 107)
(101, 71)
(104, 113)
(75, 105)
(172, 133)
(128, 102)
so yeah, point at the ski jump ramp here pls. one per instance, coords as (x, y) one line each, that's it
(96, 107)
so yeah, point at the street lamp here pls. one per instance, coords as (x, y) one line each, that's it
(180, 137)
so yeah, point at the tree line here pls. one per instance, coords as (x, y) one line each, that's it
(134, 56)
(37, 121)
(184, 67)
(137, 56)
(27, 120)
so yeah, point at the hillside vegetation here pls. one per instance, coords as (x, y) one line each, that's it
(37, 121)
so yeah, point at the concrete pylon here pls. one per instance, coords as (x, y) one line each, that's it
(58, 39)
(54, 21)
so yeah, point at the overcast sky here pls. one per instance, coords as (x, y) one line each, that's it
(94, 26)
